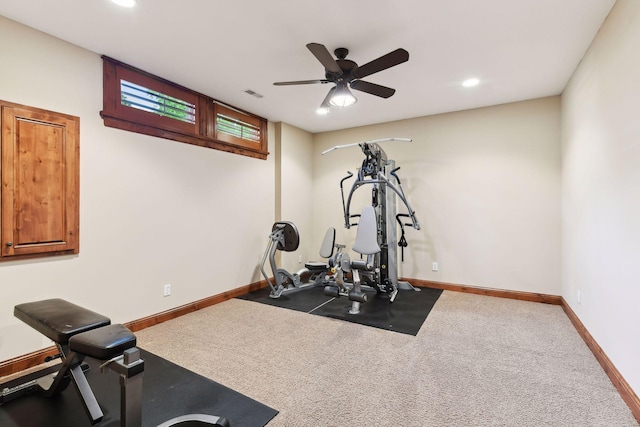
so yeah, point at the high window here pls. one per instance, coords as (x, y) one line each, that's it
(137, 101)
(145, 99)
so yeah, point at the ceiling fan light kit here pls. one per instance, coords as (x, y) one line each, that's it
(342, 97)
(346, 74)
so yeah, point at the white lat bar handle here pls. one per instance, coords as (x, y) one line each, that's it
(374, 141)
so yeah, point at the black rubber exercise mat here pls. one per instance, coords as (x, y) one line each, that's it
(405, 315)
(168, 391)
(305, 299)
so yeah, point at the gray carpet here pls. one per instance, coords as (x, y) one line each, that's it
(476, 361)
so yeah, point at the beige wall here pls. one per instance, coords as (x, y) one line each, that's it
(601, 189)
(295, 190)
(485, 185)
(152, 211)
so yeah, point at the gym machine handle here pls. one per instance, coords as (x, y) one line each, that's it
(403, 215)
(353, 216)
(344, 207)
(393, 173)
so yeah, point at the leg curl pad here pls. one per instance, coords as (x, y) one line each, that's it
(332, 291)
(357, 296)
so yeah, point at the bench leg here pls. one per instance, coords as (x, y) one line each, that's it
(72, 366)
(58, 382)
(87, 397)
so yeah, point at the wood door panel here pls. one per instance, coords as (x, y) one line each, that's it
(39, 191)
(39, 181)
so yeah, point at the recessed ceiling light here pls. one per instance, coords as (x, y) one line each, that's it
(125, 3)
(471, 82)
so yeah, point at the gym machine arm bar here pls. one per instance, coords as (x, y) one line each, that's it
(373, 141)
(384, 181)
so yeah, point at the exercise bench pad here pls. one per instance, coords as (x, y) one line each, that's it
(58, 319)
(103, 343)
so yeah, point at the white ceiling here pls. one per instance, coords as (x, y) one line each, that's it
(519, 49)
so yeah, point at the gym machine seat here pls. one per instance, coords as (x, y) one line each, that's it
(365, 244)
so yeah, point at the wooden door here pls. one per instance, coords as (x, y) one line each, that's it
(39, 190)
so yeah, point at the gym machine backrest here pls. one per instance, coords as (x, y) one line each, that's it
(326, 250)
(319, 270)
(366, 235)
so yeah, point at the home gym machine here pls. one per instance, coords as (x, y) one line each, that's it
(80, 333)
(284, 237)
(381, 173)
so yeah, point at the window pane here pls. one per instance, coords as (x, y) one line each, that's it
(237, 128)
(142, 98)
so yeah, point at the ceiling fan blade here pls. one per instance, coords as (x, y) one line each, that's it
(322, 54)
(372, 88)
(325, 103)
(389, 60)
(301, 82)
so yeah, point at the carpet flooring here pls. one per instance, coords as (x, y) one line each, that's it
(477, 361)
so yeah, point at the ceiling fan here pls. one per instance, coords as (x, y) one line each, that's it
(347, 74)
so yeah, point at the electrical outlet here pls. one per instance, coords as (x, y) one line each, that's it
(434, 267)
(299, 259)
(167, 290)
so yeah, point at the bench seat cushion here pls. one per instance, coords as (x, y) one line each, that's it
(103, 343)
(58, 319)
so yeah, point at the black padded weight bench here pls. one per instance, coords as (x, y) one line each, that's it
(79, 333)
(60, 320)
